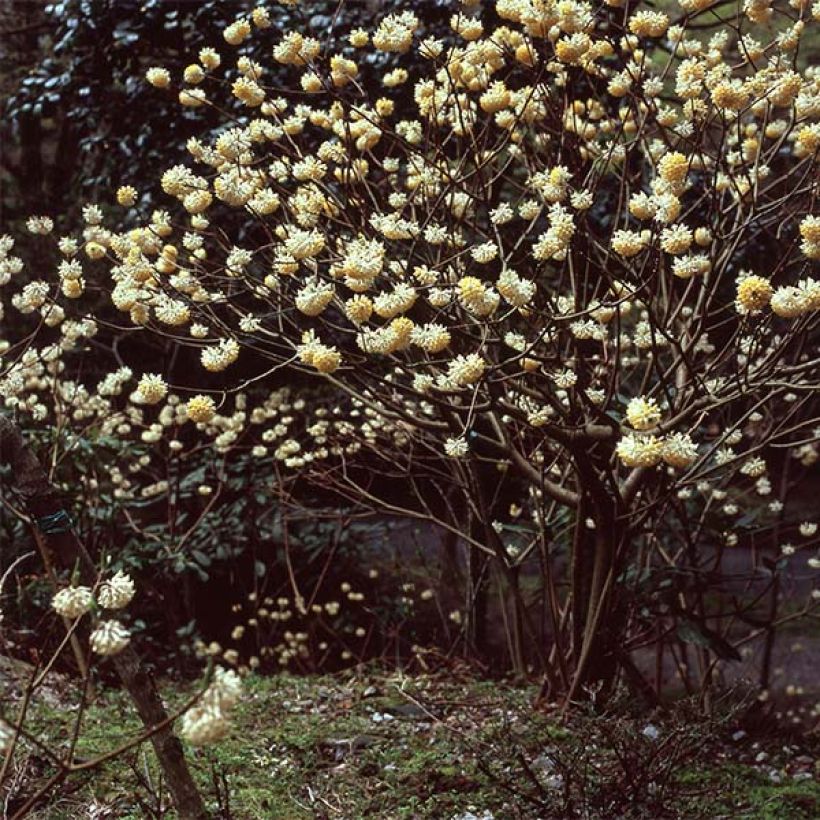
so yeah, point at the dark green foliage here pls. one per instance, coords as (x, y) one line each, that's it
(79, 119)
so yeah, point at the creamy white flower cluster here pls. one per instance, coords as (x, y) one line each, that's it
(476, 273)
(209, 720)
(647, 448)
(109, 637)
(677, 450)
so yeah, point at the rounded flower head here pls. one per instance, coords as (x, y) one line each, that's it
(359, 38)
(643, 413)
(94, 250)
(117, 592)
(649, 24)
(72, 602)
(126, 195)
(327, 360)
(207, 722)
(788, 302)
(810, 226)
(471, 289)
(466, 370)
(395, 32)
(363, 261)
(691, 265)
(42, 225)
(432, 337)
(703, 236)
(679, 450)
(72, 288)
(236, 32)
(312, 352)
(358, 309)
(202, 725)
(517, 291)
(342, 70)
(314, 297)
(302, 244)
(109, 638)
(399, 332)
(192, 98)
(200, 409)
(673, 167)
(640, 451)
(477, 297)
(753, 294)
(220, 356)
(311, 82)
(195, 202)
(676, 239)
(158, 77)
(261, 17)
(495, 98)
(151, 389)
(249, 92)
(209, 58)
(627, 243)
(193, 74)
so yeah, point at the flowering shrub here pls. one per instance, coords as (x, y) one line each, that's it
(566, 293)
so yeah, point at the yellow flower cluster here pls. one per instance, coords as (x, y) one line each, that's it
(395, 32)
(753, 294)
(476, 297)
(541, 216)
(643, 413)
(200, 409)
(313, 353)
(677, 450)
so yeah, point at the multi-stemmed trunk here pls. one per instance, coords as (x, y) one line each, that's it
(589, 641)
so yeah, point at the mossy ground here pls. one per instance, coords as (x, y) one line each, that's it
(387, 746)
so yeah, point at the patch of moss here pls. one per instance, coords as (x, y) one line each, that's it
(392, 747)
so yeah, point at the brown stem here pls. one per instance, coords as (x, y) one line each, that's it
(42, 499)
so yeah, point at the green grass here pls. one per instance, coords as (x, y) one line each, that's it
(741, 791)
(310, 747)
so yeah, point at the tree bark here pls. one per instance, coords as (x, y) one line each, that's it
(41, 498)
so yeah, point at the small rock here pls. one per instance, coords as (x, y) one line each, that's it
(543, 763)
(651, 731)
